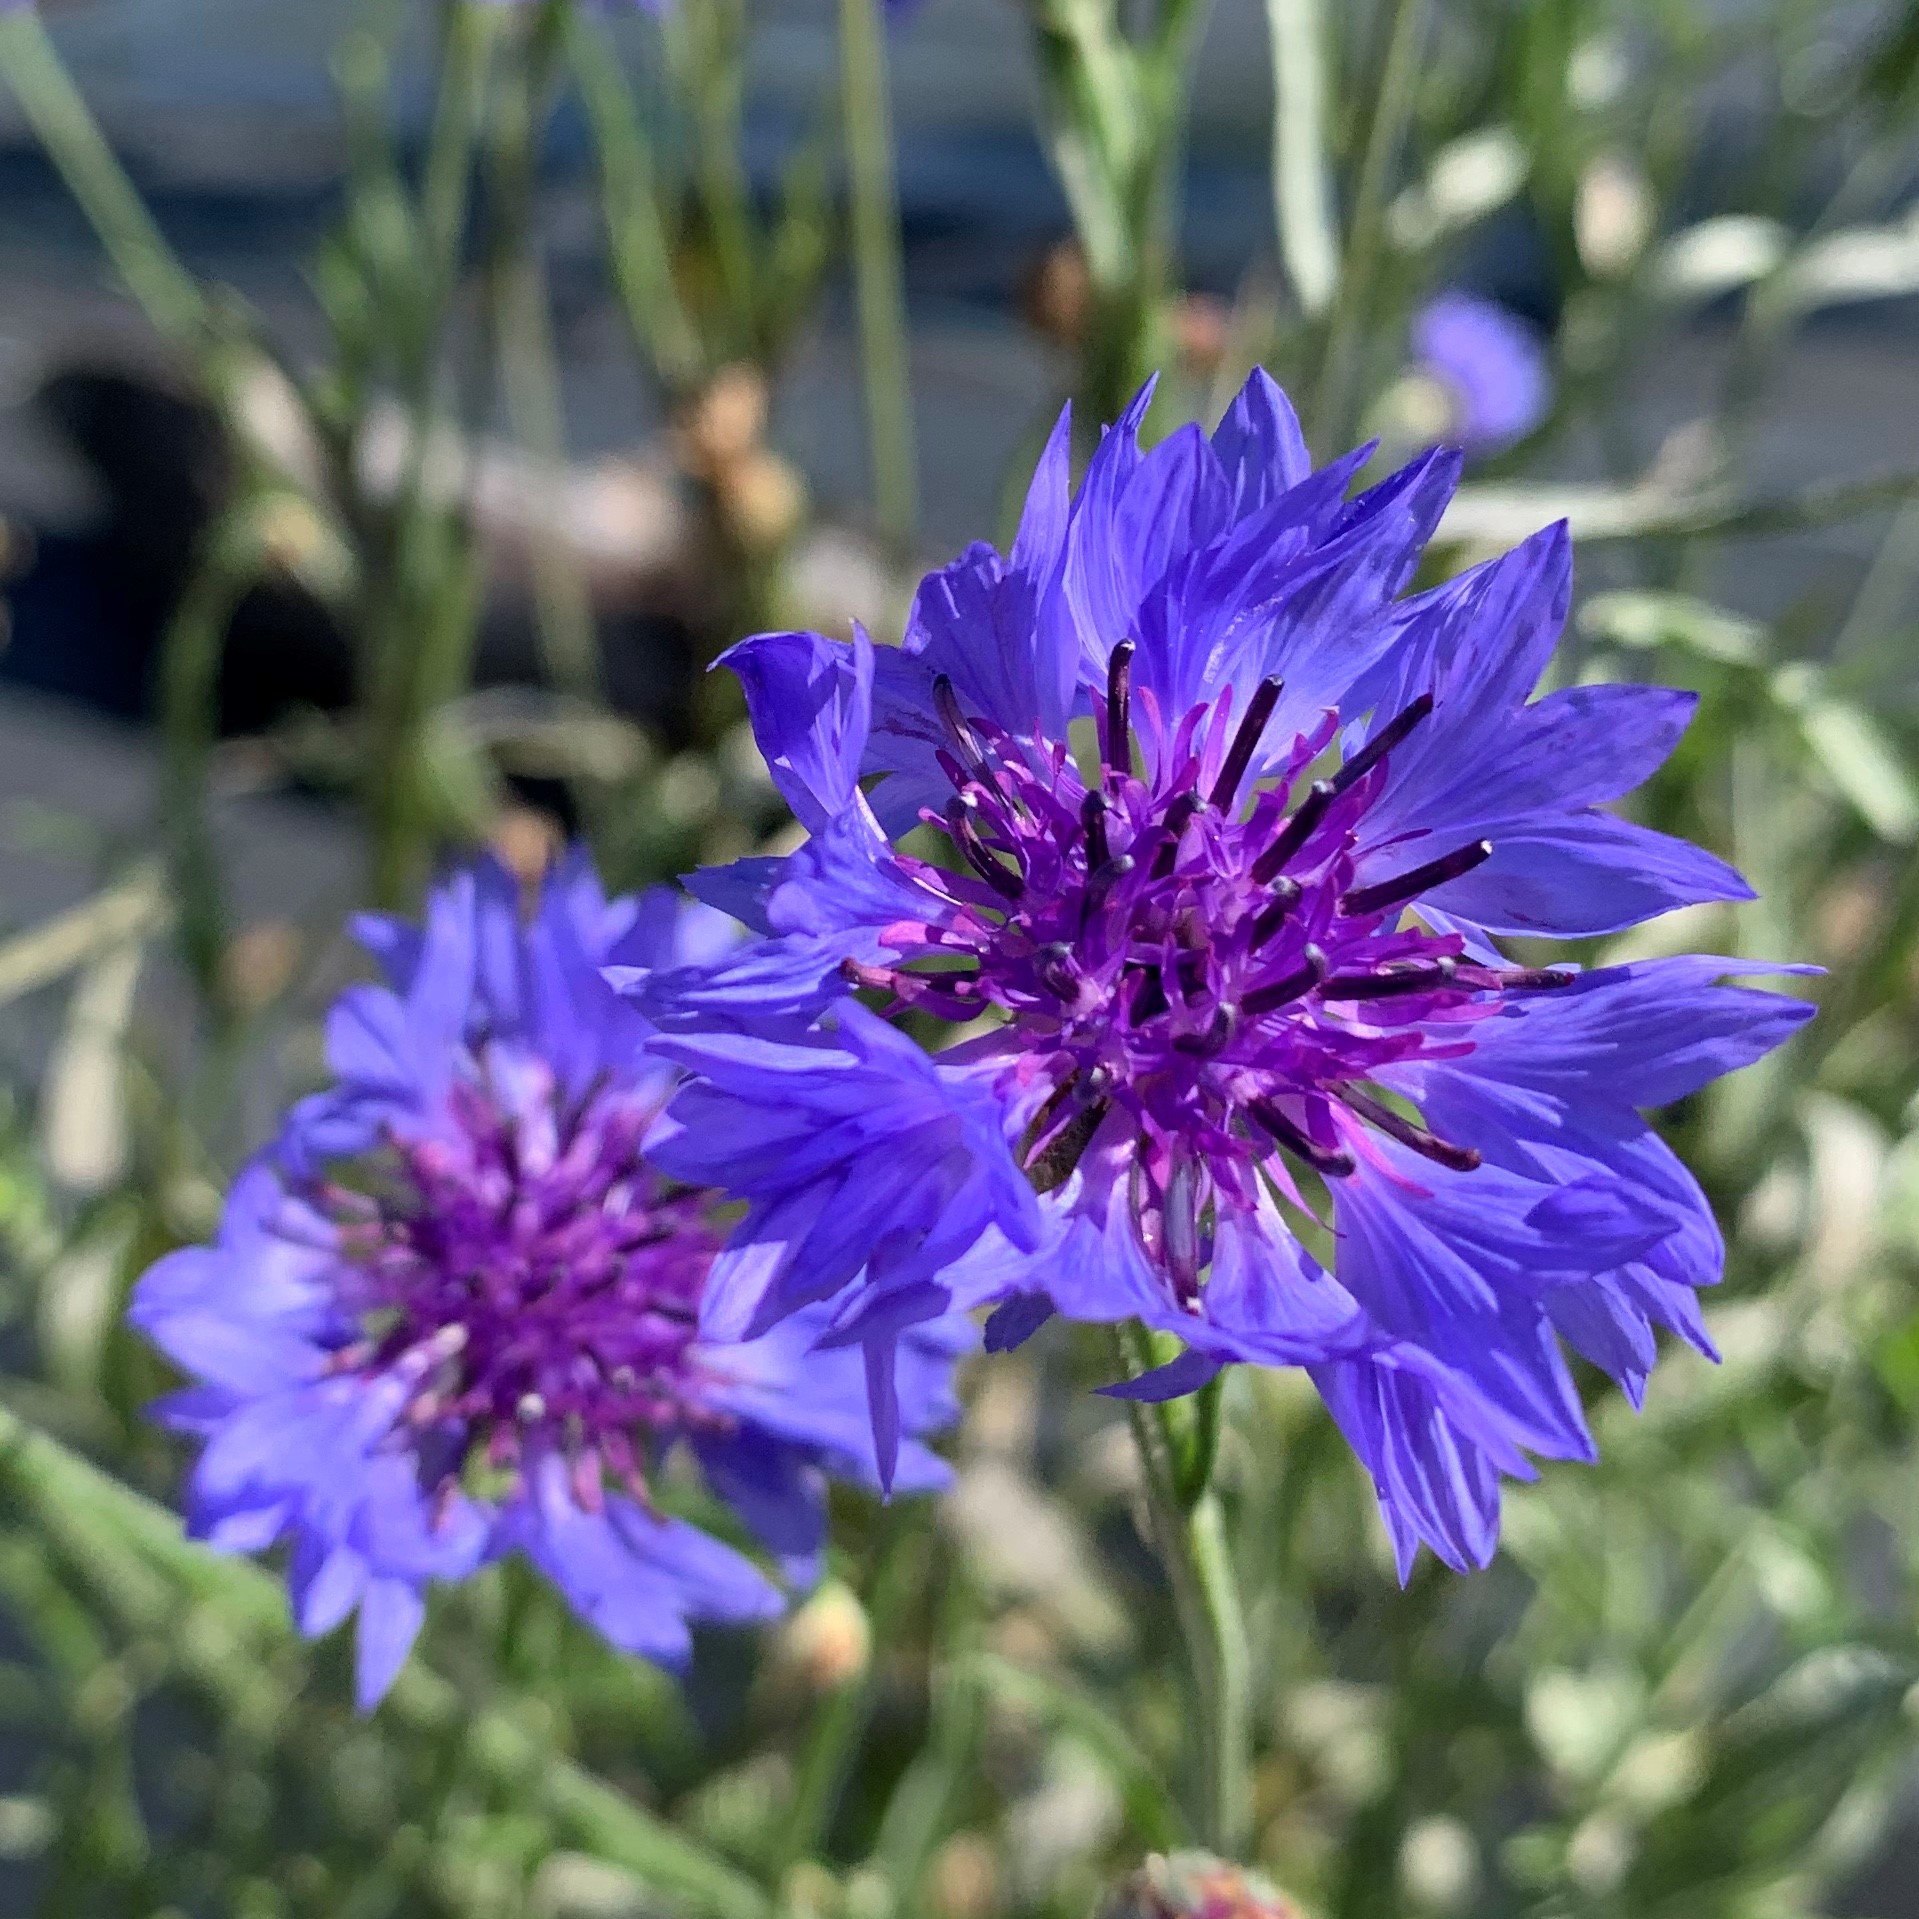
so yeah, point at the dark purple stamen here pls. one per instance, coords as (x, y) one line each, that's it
(1382, 743)
(1179, 816)
(1190, 970)
(1514, 979)
(1297, 830)
(965, 740)
(1462, 1159)
(1279, 909)
(964, 825)
(1308, 974)
(1150, 1000)
(1216, 1037)
(1104, 878)
(1210, 976)
(1119, 714)
(1391, 983)
(1334, 1162)
(1239, 756)
(1063, 1145)
(529, 1281)
(1396, 892)
(1092, 818)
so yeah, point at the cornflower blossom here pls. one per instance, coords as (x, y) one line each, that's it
(1489, 366)
(454, 1312)
(1226, 831)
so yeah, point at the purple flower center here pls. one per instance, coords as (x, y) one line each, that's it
(532, 1281)
(1202, 969)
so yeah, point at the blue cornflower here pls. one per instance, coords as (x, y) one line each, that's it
(1226, 830)
(455, 1310)
(1489, 366)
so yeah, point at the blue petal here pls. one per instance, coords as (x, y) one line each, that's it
(845, 880)
(1014, 1321)
(220, 1346)
(738, 891)
(762, 983)
(394, 943)
(325, 1582)
(883, 1402)
(1586, 874)
(1262, 603)
(777, 1491)
(1569, 751)
(636, 1579)
(1478, 645)
(1259, 446)
(1642, 1035)
(1268, 1300)
(811, 702)
(243, 1522)
(1449, 1264)
(1174, 1380)
(370, 1043)
(810, 1399)
(391, 1614)
(796, 1129)
(1435, 1482)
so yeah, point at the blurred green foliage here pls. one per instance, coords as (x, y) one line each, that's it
(1690, 1683)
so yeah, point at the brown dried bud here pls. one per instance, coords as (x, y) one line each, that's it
(1195, 1885)
(1058, 293)
(526, 842)
(726, 422)
(763, 498)
(260, 963)
(1202, 331)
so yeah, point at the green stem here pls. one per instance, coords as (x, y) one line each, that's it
(709, 40)
(135, 1557)
(190, 655)
(529, 366)
(636, 228)
(832, 1740)
(1302, 186)
(1189, 1533)
(66, 129)
(132, 908)
(1115, 118)
(458, 114)
(1392, 114)
(419, 600)
(878, 271)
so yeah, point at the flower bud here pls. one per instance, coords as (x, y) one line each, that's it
(1195, 1885)
(828, 1641)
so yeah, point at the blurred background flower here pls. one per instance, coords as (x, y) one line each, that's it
(1479, 378)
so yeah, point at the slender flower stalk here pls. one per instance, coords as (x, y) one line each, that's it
(521, 322)
(636, 228)
(232, 555)
(70, 136)
(415, 613)
(1366, 225)
(190, 654)
(1115, 107)
(879, 278)
(1302, 177)
(1189, 1534)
